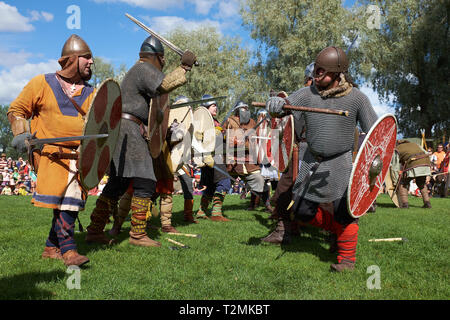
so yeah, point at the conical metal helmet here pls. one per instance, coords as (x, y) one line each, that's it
(331, 59)
(75, 45)
(207, 104)
(152, 45)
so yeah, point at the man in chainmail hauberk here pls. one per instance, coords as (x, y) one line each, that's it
(132, 161)
(327, 162)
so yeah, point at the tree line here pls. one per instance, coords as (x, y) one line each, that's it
(403, 56)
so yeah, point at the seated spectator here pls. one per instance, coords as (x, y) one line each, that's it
(7, 190)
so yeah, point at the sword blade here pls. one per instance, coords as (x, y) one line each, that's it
(178, 105)
(157, 36)
(34, 142)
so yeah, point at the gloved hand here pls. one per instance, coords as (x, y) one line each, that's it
(208, 160)
(187, 60)
(178, 131)
(19, 142)
(274, 106)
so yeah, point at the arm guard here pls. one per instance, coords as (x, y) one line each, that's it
(18, 124)
(173, 80)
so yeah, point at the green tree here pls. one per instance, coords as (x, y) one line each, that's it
(292, 32)
(6, 135)
(224, 67)
(103, 70)
(408, 58)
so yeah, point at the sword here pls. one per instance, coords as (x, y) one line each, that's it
(157, 36)
(178, 105)
(33, 141)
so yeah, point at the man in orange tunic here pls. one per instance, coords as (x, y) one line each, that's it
(57, 103)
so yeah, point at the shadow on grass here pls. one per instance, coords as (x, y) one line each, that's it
(23, 286)
(309, 240)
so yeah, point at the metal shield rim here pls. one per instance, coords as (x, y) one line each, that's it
(360, 151)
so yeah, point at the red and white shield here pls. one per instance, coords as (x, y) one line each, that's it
(282, 139)
(158, 122)
(379, 144)
(103, 117)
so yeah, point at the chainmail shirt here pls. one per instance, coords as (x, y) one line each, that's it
(330, 138)
(132, 157)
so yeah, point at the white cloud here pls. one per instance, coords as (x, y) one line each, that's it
(228, 9)
(36, 16)
(14, 79)
(12, 21)
(165, 24)
(203, 6)
(10, 59)
(149, 4)
(380, 107)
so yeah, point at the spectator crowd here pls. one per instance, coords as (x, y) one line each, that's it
(16, 176)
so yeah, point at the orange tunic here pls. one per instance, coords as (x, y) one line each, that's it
(53, 115)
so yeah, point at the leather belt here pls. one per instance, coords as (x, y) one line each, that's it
(129, 116)
(140, 123)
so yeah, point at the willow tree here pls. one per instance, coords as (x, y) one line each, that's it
(224, 66)
(409, 59)
(292, 32)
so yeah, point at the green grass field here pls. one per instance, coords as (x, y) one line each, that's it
(229, 262)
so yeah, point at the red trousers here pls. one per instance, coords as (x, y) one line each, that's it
(347, 235)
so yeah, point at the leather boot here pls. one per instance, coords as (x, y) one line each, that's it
(252, 205)
(204, 204)
(104, 207)
(52, 253)
(165, 213)
(403, 197)
(73, 258)
(344, 265)
(140, 208)
(425, 198)
(141, 239)
(122, 213)
(188, 213)
(281, 234)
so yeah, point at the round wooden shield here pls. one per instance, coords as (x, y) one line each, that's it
(263, 141)
(103, 117)
(181, 152)
(282, 139)
(379, 144)
(204, 135)
(158, 122)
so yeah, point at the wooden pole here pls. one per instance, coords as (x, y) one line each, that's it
(307, 109)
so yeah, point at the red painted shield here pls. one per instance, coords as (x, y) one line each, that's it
(379, 144)
(282, 138)
(103, 117)
(158, 122)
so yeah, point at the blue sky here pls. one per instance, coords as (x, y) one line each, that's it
(32, 32)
